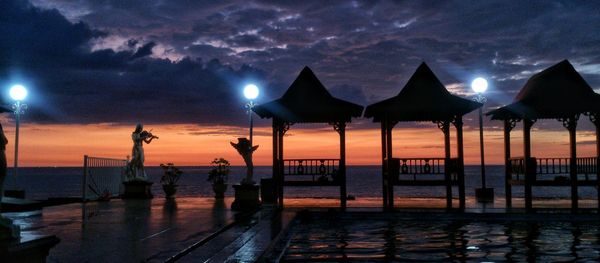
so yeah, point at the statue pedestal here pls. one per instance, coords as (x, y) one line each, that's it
(137, 190)
(246, 197)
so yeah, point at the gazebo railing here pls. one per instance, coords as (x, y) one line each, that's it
(418, 167)
(316, 170)
(554, 166)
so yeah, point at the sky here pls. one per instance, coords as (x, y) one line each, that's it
(96, 68)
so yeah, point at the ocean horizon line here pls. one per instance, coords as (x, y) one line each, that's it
(208, 166)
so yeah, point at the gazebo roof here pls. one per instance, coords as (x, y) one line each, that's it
(307, 100)
(423, 98)
(556, 92)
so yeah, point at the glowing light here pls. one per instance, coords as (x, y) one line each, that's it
(251, 91)
(18, 92)
(479, 85)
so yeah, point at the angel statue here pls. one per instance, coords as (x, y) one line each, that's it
(136, 165)
(245, 150)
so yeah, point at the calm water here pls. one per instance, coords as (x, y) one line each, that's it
(386, 239)
(363, 181)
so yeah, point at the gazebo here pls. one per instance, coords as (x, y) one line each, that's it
(560, 93)
(424, 98)
(308, 101)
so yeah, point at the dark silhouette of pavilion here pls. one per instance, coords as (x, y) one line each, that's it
(308, 101)
(558, 92)
(424, 98)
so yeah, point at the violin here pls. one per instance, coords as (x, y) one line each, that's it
(147, 134)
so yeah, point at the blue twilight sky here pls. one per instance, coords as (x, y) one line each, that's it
(93, 61)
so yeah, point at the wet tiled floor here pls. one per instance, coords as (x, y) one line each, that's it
(472, 206)
(126, 230)
(442, 237)
(158, 229)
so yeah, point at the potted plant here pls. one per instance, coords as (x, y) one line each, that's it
(169, 179)
(218, 175)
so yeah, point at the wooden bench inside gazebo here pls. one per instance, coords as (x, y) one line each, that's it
(308, 101)
(423, 99)
(560, 93)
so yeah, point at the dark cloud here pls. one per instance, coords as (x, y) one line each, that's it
(350, 93)
(72, 84)
(28, 33)
(145, 50)
(362, 50)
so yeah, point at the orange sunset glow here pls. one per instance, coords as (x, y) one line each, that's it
(299, 131)
(186, 144)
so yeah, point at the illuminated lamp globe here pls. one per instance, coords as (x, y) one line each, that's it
(18, 92)
(251, 91)
(479, 85)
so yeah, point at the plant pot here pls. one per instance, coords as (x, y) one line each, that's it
(219, 190)
(170, 190)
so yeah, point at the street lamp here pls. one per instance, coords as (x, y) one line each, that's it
(251, 93)
(18, 93)
(483, 194)
(246, 193)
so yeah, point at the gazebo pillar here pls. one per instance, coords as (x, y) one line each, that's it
(596, 121)
(509, 124)
(571, 125)
(340, 127)
(597, 124)
(384, 164)
(458, 123)
(275, 161)
(282, 129)
(388, 141)
(527, 163)
(445, 127)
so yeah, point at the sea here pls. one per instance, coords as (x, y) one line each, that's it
(41, 183)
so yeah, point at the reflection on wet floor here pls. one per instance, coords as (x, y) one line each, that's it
(387, 239)
(126, 230)
(157, 230)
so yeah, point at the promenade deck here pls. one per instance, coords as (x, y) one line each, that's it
(202, 229)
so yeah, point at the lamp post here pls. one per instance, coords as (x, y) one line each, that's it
(246, 193)
(251, 93)
(18, 93)
(483, 194)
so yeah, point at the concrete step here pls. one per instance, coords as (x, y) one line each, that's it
(11, 204)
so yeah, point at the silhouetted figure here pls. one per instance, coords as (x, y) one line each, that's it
(8, 230)
(136, 165)
(245, 150)
(3, 143)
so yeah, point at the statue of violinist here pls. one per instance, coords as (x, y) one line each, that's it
(136, 165)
